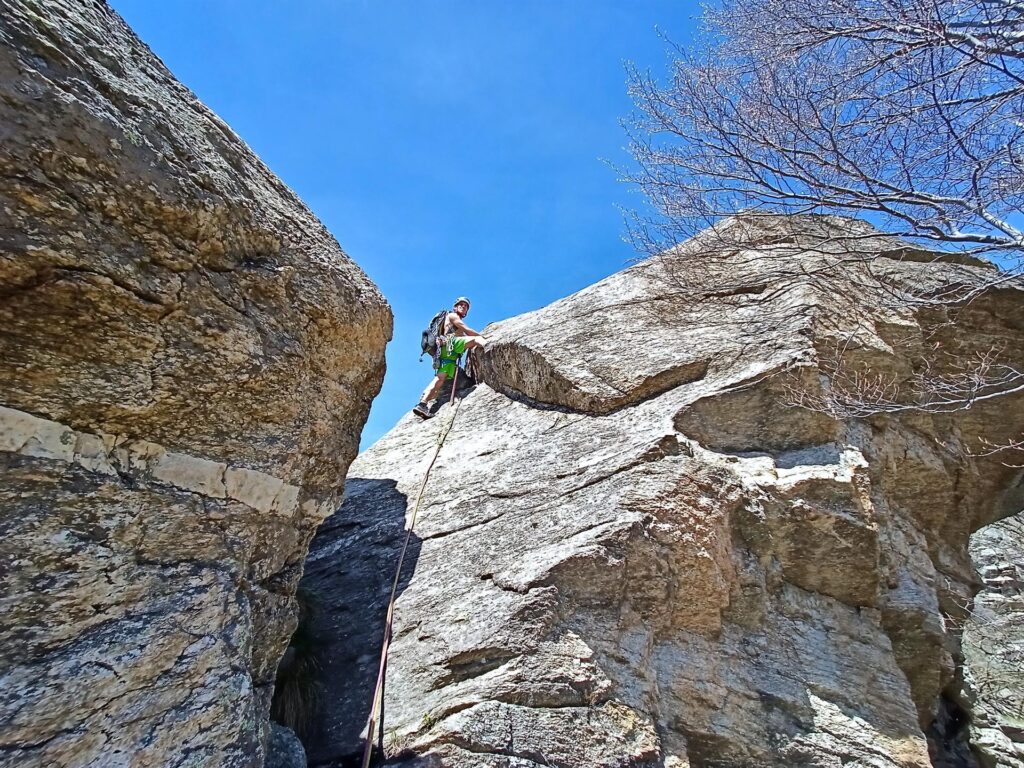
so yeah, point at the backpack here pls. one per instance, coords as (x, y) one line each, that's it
(428, 340)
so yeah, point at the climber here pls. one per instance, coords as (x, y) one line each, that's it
(454, 339)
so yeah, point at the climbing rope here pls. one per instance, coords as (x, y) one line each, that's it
(377, 704)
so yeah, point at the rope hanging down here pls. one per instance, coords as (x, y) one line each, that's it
(377, 703)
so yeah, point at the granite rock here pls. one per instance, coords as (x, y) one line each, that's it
(993, 646)
(180, 398)
(285, 749)
(635, 551)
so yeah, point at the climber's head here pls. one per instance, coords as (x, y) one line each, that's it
(461, 306)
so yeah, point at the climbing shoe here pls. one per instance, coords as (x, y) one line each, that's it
(422, 411)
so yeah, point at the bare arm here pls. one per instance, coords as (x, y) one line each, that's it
(455, 324)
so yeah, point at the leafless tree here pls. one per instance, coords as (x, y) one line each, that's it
(858, 393)
(908, 112)
(1012, 452)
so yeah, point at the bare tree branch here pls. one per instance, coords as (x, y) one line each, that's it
(908, 111)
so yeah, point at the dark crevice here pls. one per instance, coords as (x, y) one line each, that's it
(949, 737)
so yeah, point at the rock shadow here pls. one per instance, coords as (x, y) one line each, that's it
(350, 569)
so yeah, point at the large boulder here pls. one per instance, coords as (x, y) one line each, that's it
(186, 361)
(634, 550)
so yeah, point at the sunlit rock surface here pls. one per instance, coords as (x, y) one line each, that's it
(186, 362)
(633, 551)
(994, 644)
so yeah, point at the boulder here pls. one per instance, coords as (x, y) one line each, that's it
(187, 359)
(636, 550)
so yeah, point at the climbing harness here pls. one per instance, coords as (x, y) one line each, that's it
(377, 702)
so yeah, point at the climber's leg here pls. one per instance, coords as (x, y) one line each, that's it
(431, 392)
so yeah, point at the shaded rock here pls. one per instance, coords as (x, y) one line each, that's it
(633, 552)
(180, 395)
(285, 750)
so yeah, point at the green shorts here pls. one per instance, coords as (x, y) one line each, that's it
(450, 354)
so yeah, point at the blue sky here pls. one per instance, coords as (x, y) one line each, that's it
(452, 147)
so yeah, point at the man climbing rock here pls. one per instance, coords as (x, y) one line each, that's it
(454, 339)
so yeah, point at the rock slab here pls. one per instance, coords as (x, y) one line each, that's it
(187, 358)
(634, 551)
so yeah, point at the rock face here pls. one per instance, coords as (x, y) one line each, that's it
(186, 362)
(633, 552)
(285, 750)
(994, 645)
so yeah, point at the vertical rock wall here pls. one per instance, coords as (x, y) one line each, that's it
(186, 361)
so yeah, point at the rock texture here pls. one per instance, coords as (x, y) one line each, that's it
(632, 552)
(181, 393)
(285, 749)
(994, 645)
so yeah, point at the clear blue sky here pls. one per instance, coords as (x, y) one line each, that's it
(452, 146)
